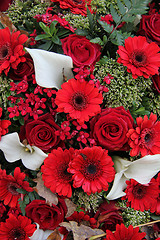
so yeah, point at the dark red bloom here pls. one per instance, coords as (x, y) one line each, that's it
(123, 233)
(19, 228)
(80, 99)
(149, 27)
(9, 185)
(142, 197)
(4, 124)
(109, 128)
(140, 57)
(48, 217)
(82, 218)
(4, 5)
(81, 50)
(156, 81)
(11, 49)
(92, 169)
(41, 132)
(23, 69)
(55, 174)
(108, 215)
(145, 138)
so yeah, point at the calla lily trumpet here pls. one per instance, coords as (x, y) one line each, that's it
(51, 68)
(142, 170)
(32, 157)
(40, 234)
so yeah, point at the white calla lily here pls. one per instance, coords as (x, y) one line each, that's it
(142, 170)
(50, 67)
(39, 234)
(32, 157)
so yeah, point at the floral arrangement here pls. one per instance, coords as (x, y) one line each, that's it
(79, 127)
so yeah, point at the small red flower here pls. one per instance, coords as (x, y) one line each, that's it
(140, 57)
(19, 228)
(92, 169)
(123, 233)
(80, 99)
(142, 197)
(11, 49)
(9, 185)
(145, 138)
(55, 174)
(81, 217)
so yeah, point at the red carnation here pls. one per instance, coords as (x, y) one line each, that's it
(92, 169)
(140, 57)
(80, 99)
(54, 172)
(16, 228)
(11, 49)
(122, 233)
(145, 138)
(142, 197)
(9, 185)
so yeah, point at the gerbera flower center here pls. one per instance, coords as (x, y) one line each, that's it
(17, 234)
(4, 52)
(138, 58)
(12, 187)
(146, 137)
(79, 101)
(91, 169)
(139, 191)
(64, 174)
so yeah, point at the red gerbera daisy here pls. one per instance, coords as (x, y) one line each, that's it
(11, 49)
(140, 57)
(142, 197)
(55, 175)
(92, 169)
(145, 138)
(80, 99)
(9, 184)
(19, 228)
(123, 233)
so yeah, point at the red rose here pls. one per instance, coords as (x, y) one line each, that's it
(23, 69)
(41, 132)
(149, 26)
(156, 82)
(4, 5)
(109, 128)
(48, 217)
(81, 50)
(109, 215)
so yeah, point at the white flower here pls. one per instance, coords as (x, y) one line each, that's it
(32, 157)
(142, 170)
(50, 67)
(39, 234)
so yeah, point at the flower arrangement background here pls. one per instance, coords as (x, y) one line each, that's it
(79, 127)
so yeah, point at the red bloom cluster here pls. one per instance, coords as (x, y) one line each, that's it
(4, 124)
(9, 185)
(144, 139)
(11, 49)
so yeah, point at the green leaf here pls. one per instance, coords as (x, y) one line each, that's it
(121, 7)
(56, 40)
(45, 28)
(106, 26)
(53, 27)
(46, 46)
(81, 32)
(26, 199)
(97, 40)
(42, 37)
(20, 190)
(127, 3)
(22, 206)
(31, 196)
(91, 19)
(114, 14)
